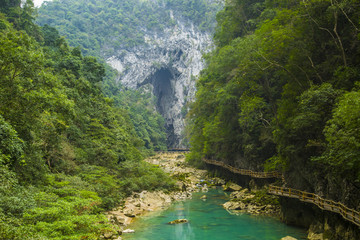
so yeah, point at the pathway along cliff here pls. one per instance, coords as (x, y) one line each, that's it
(194, 181)
(324, 204)
(322, 225)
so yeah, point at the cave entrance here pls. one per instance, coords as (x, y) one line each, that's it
(163, 90)
(161, 80)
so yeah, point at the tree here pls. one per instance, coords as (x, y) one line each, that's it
(342, 136)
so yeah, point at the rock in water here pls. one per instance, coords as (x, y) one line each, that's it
(204, 189)
(288, 238)
(204, 197)
(232, 187)
(234, 205)
(128, 231)
(177, 221)
(108, 235)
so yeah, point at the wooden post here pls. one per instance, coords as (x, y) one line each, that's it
(353, 215)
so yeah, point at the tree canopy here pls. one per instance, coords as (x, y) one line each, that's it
(101, 27)
(67, 151)
(281, 87)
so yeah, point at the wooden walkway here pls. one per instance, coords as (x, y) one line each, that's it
(245, 171)
(171, 150)
(329, 205)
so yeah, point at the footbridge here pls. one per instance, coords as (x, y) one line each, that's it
(324, 204)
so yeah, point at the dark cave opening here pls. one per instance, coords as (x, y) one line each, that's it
(162, 89)
(165, 94)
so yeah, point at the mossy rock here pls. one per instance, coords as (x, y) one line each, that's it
(178, 221)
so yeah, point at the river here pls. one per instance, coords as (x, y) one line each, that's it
(208, 220)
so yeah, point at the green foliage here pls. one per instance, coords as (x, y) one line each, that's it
(275, 91)
(11, 146)
(303, 132)
(66, 207)
(262, 198)
(21, 14)
(200, 12)
(67, 152)
(93, 24)
(143, 176)
(105, 182)
(342, 136)
(148, 123)
(14, 198)
(237, 19)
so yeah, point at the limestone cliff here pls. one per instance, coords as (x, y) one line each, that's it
(167, 64)
(155, 45)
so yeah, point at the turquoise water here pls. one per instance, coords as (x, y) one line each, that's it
(208, 220)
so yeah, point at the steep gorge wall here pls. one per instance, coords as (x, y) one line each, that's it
(155, 45)
(167, 64)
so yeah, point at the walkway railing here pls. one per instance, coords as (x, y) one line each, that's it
(171, 150)
(329, 205)
(245, 171)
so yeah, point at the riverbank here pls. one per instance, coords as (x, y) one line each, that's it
(207, 219)
(140, 204)
(189, 180)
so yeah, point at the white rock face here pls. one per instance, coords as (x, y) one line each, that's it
(168, 65)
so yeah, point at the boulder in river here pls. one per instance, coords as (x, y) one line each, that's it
(205, 189)
(108, 235)
(233, 205)
(232, 187)
(128, 231)
(177, 221)
(288, 238)
(218, 181)
(130, 214)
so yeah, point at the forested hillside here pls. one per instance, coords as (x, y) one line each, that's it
(281, 91)
(140, 39)
(92, 26)
(67, 152)
(102, 27)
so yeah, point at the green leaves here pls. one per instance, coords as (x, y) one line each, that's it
(54, 118)
(103, 27)
(11, 146)
(342, 134)
(280, 67)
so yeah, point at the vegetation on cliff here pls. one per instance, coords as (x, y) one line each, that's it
(281, 91)
(67, 152)
(93, 24)
(106, 28)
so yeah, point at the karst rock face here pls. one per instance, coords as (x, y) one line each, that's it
(167, 64)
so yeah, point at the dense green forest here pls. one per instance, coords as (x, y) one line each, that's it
(102, 27)
(68, 149)
(282, 88)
